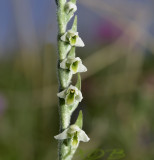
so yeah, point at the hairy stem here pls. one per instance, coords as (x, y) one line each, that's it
(66, 149)
(64, 79)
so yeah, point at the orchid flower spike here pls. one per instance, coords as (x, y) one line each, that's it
(75, 133)
(73, 64)
(72, 38)
(71, 95)
(70, 7)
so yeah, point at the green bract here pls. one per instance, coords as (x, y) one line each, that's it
(75, 133)
(71, 95)
(72, 38)
(73, 64)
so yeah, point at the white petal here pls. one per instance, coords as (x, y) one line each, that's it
(62, 94)
(79, 96)
(77, 59)
(72, 33)
(73, 128)
(79, 42)
(63, 64)
(62, 135)
(73, 87)
(82, 68)
(70, 60)
(82, 136)
(63, 38)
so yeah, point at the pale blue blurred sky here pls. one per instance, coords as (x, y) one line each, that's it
(38, 18)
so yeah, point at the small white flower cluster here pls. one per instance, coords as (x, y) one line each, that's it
(72, 95)
(74, 65)
(73, 39)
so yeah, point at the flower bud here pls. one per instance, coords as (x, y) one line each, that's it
(70, 7)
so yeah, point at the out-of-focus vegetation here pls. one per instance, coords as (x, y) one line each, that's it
(118, 88)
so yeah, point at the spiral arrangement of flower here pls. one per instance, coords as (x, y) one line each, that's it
(69, 95)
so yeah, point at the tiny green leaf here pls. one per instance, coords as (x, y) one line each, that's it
(74, 26)
(79, 121)
(78, 83)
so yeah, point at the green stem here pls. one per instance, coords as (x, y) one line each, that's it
(65, 151)
(64, 79)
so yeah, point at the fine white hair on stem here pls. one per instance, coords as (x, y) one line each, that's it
(69, 95)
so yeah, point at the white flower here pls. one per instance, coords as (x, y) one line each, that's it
(70, 7)
(73, 64)
(71, 95)
(72, 38)
(75, 133)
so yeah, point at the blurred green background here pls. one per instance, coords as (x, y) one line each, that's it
(118, 89)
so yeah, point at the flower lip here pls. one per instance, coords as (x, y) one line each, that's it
(73, 128)
(72, 33)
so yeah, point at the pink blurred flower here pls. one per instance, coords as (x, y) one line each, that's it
(108, 32)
